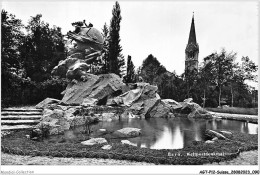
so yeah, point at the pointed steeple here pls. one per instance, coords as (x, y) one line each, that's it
(192, 37)
(192, 50)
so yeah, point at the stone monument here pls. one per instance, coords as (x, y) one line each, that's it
(89, 98)
(88, 47)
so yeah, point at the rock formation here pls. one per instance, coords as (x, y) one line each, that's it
(90, 98)
(89, 43)
(94, 90)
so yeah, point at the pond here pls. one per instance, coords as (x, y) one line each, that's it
(159, 133)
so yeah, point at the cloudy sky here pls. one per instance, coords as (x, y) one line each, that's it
(160, 28)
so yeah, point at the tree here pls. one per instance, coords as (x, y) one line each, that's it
(166, 83)
(11, 64)
(248, 68)
(130, 71)
(105, 50)
(11, 37)
(240, 74)
(42, 49)
(223, 65)
(169, 84)
(221, 76)
(116, 59)
(151, 68)
(206, 76)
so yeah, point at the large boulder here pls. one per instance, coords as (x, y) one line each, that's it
(172, 104)
(53, 121)
(70, 112)
(127, 142)
(89, 102)
(106, 147)
(188, 100)
(94, 90)
(194, 110)
(128, 132)
(145, 106)
(160, 110)
(212, 134)
(108, 116)
(94, 141)
(45, 103)
(127, 98)
(72, 67)
(140, 101)
(56, 121)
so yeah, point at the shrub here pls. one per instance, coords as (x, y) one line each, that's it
(26, 92)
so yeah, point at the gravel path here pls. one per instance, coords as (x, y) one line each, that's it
(10, 159)
(240, 117)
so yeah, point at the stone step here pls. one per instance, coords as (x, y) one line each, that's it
(16, 127)
(19, 122)
(21, 113)
(20, 117)
(20, 110)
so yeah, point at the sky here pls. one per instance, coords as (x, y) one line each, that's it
(160, 28)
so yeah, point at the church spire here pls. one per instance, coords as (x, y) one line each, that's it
(192, 37)
(192, 50)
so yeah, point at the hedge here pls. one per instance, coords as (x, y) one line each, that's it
(17, 143)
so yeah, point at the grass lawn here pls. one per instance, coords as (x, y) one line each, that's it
(197, 153)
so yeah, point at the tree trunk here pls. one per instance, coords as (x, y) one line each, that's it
(188, 91)
(219, 97)
(204, 98)
(232, 97)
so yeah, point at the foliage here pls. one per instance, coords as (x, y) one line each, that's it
(25, 91)
(42, 49)
(105, 51)
(219, 79)
(130, 71)
(27, 61)
(151, 68)
(223, 66)
(223, 79)
(11, 64)
(169, 84)
(248, 67)
(11, 36)
(116, 59)
(28, 58)
(206, 77)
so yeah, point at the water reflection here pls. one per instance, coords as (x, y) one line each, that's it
(169, 139)
(173, 133)
(252, 128)
(177, 139)
(243, 127)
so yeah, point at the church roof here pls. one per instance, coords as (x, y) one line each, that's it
(192, 37)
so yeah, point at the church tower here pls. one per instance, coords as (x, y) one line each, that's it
(192, 50)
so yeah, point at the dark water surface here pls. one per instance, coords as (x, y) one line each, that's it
(161, 133)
